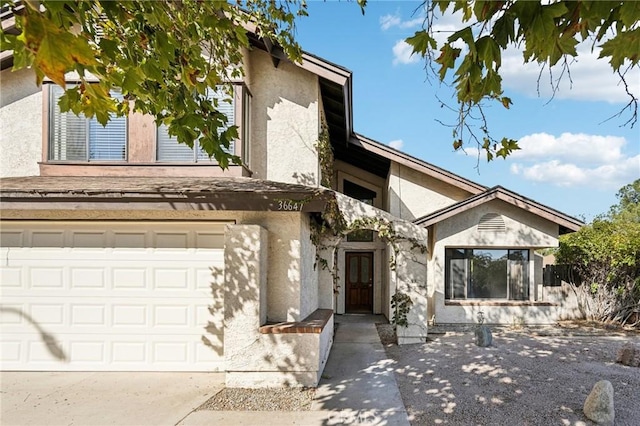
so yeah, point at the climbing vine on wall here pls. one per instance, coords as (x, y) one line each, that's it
(400, 303)
(331, 227)
(325, 155)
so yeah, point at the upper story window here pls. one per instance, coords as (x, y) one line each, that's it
(77, 138)
(168, 149)
(366, 196)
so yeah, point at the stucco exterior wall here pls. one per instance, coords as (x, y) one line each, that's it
(284, 120)
(290, 265)
(21, 124)
(412, 194)
(308, 274)
(523, 230)
(252, 358)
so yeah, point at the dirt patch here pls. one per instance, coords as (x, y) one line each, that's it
(387, 333)
(521, 379)
(272, 399)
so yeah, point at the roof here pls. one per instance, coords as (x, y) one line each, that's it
(232, 193)
(567, 223)
(369, 149)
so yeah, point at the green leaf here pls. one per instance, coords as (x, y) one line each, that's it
(488, 52)
(492, 84)
(421, 42)
(555, 10)
(508, 146)
(567, 45)
(630, 13)
(55, 50)
(132, 80)
(447, 59)
(623, 46)
(484, 10)
(503, 30)
(465, 35)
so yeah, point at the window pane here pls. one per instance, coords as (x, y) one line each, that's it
(364, 269)
(488, 274)
(168, 148)
(71, 135)
(353, 269)
(108, 143)
(246, 127)
(459, 274)
(366, 196)
(360, 236)
(519, 274)
(68, 132)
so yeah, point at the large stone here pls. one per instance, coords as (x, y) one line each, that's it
(629, 354)
(483, 336)
(599, 404)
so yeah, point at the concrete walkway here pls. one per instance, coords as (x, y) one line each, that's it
(357, 388)
(93, 398)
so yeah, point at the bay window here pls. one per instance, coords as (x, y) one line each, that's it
(486, 274)
(77, 138)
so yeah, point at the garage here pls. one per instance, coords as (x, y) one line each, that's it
(111, 296)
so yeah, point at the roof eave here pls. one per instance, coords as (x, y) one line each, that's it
(417, 164)
(566, 223)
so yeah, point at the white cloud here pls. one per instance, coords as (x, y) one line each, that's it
(590, 79)
(606, 176)
(412, 23)
(578, 147)
(570, 160)
(390, 21)
(396, 144)
(403, 53)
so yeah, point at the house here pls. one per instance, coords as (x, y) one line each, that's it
(124, 251)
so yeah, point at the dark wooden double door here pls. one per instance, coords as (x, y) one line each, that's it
(359, 282)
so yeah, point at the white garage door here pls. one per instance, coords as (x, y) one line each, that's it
(111, 296)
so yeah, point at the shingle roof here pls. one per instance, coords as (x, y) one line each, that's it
(232, 193)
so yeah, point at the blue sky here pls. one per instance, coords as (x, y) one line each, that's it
(570, 160)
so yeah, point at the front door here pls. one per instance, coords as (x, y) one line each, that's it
(359, 285)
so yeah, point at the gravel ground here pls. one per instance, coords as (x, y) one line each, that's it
(280, 399)
(527, 377)
(524, 378)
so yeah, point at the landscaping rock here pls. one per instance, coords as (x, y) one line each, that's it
(629, 354)
(599, 404)
(483, 336)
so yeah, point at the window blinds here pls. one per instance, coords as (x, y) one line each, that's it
(168, 148)
(76, 138)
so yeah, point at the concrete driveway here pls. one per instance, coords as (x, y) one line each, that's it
(70, 398)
